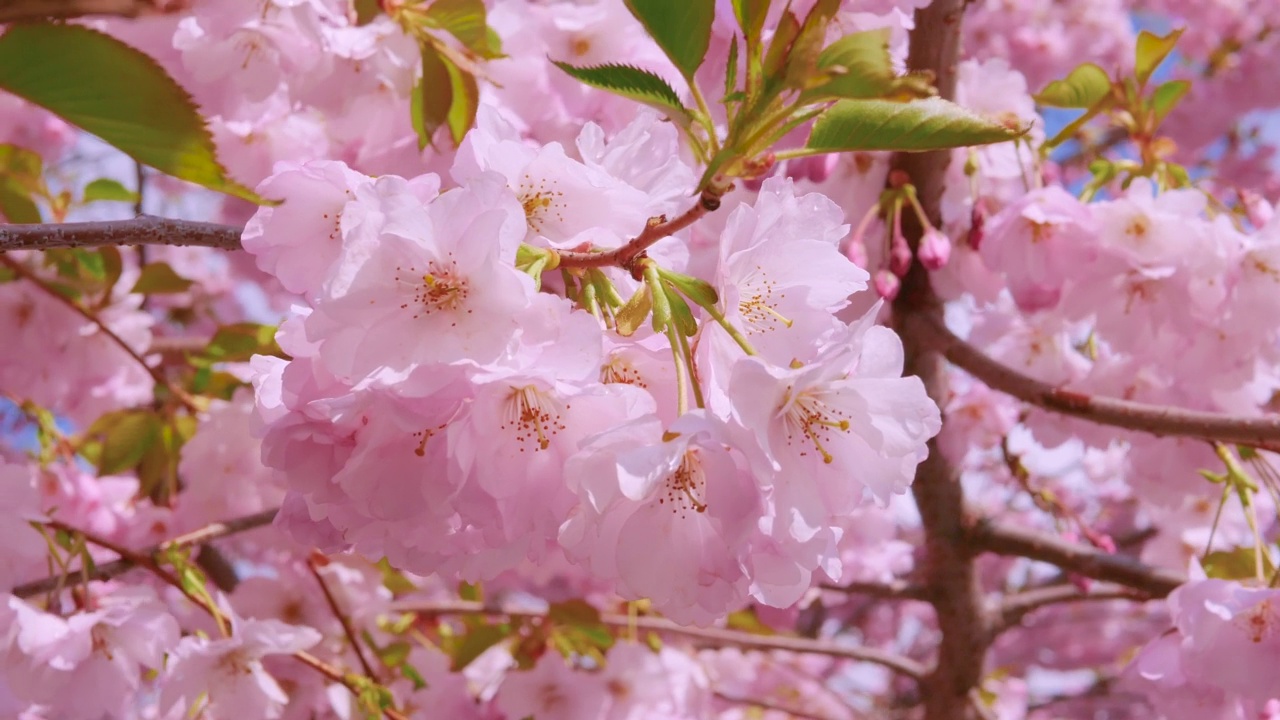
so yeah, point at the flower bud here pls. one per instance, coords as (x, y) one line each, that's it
(935, 249)
(886, 284)
(899, 255)
(857, 253)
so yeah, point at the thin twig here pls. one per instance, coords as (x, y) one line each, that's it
(769, 705)
(21, 271)
(314, 562)
(1154, 419)
(141, 230)
(1082, 559)
(657, 229)
(150, 564)
(38, 10)
(718, 637)
(106, 571)
(892, 590)
(1017, 606)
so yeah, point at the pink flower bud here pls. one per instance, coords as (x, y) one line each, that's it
(899, 256)
(857, 253)
(887, 284)
(935, 249)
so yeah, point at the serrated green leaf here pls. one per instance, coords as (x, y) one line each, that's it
(1167, 96)
(109, 190)
(116, 92)
(1083, 87)
(802, 60)
(433, 97)
(157, 469)
(775, 58)
(629, 317)
(859, 66)
(1151, 50)
(751, 15)
(159, 279)
(124, 438)
(634, 83)
(682, 28)
(465, 20)
(241, 341)
(475, 642)
(731, 70)
(931, 124)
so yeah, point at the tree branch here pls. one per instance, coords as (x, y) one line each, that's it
(141, 230)
(715, 637)
(892, 590)
(1155, 419)
(1081, 559)
(106, 571)
(948, 569)
(1017, 606)
(36, 10)
(657, 229)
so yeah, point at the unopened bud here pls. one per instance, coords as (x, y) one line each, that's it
(935, 249)
(857, 253)
(886, 284)
(899, 256)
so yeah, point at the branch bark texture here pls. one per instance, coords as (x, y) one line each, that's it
(141, 230)
(949, 572)
(1155, 419)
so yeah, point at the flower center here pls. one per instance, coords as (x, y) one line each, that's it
(756, 303)
(533, 415)
(685, 486)
(1260, 621)
(539, 202)
(620, 372)
(811, 421)
(440, 289)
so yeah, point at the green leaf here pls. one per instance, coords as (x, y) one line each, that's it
(859, 66)
(108, 189)
(573, 612)
(658, 296)
(475, 642)
(931, 124)
(1081, 88)
(731, 70)
(682, 28)
(116, 92)
(1151, 50)
(1165, 97)
(634, 83)
(433, 97)
(751, 15)
(466, 101)
(395, 654)
(158, 467)
(21, 174)
(775, 58)
(393, 579)
(747, 621)
(124, 437)
(802, 59)
(159, 279)
(241, 341)
(1238, 564)
(366, 11)
(465, 20)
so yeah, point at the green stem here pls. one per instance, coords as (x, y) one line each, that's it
(729, 328)
(704, 118)
(693, 380)
(682, 371)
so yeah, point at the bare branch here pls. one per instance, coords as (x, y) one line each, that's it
(715, 637)
(948, 568)
(1017, 606)
(141, 230)
(1154, 419)
(657, 229)
(106, 571)
(35, 10)
(892, 590)
(1082, 559)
